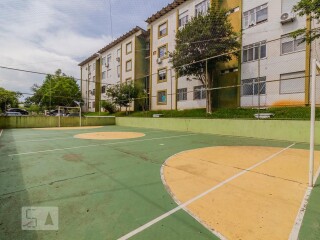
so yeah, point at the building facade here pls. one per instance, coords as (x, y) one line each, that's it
(275, 69)
(167, 90)
(122, 61)
(272, 69)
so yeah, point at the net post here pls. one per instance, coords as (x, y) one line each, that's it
(80, 116)
(312, 120)
(59, 116)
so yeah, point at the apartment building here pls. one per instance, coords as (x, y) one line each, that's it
(122, 61)
(273, 62)
(167, 90)
(274, 69)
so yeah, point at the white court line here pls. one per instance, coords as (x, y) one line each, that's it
(52, 139)
(298, 222)
(97, 145)
(1, 132)
(182, 206)
(41, 140)
(62, 133)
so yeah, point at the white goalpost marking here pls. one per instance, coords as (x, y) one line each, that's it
(182, 206)
(315, 66)
(59, 114)
(312, 178)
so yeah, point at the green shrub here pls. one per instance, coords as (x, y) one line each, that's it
(109, 106)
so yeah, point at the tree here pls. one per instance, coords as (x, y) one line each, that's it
(56, 90)
(8, 99)
(122, 94)
(108, 106)
(310, 8)
(204, 37)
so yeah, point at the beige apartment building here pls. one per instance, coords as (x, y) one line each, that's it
(125, 60)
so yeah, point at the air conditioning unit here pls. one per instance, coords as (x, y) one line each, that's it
(287, 17)
(118, 59)
(159, 60)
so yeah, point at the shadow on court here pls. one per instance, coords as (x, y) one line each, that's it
(13, 192)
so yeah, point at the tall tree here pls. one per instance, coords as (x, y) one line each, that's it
(122, 94)
(310, 8)
(56, 90)
(8, 99)
(205, 36)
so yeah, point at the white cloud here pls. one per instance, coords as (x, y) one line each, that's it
(44, 35)
(41, 38)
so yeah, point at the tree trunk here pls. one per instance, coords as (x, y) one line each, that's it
(208, 99)
(209, 93)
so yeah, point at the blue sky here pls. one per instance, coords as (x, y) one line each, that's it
(44, 35)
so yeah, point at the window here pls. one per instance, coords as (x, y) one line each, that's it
(162, 97)
(109, 73)
(89, 69)
(129, 65)
(119, 52)
(129, 48)
(93, 91)
(94, 67)
(104, 75)
(109, 60)
(118, 70)
(183, 19)
(290, 44)
(255, 16)
(103, 89)
(199, 93)
(103, 61)
(163, 30)
(162, 75)
(94, 78)
(162, 51)
(93, 104)
(292, 83)
(250, 87)
(202, 8)
(129, 81)
(254, 51)
(182, 94)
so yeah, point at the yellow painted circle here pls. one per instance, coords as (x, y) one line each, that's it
(109, 135)
(256, 191)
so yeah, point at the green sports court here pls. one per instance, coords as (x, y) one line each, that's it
(117, 188)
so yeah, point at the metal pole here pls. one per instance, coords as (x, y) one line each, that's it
(171, 89)
(259, 74)
(207, 95)
(312, 120)
(80, 115)
(59, 116)
(50, 92)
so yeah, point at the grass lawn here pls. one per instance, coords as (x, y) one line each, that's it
(297, 113)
